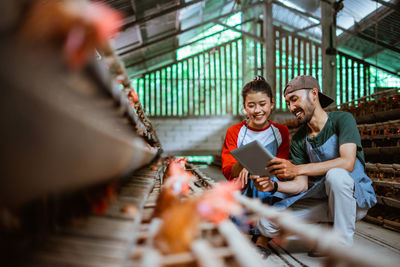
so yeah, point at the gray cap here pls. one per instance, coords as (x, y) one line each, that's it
(307, 82)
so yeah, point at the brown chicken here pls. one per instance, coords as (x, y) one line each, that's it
(73, 27)
(180, 223)
(175, 186)
(176, 162)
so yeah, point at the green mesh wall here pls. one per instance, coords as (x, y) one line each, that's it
(209, 81)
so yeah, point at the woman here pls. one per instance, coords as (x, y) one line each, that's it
(258, 103)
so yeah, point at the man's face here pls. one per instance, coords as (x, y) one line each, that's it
(302, 104)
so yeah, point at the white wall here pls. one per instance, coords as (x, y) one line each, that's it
(199, 135)
(193, 136)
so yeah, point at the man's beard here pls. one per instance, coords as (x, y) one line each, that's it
(308, 115)
(306, 119)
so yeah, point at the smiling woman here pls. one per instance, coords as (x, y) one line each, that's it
(258, 104)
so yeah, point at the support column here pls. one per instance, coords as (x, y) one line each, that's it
(328, 24)
(269, 44)
(247, 74)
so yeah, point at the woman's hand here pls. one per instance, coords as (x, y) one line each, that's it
(242, 178)
(262, 184)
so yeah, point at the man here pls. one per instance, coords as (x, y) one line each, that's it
(327, 148)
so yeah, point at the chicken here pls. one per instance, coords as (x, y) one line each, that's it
(217, 204)
(171, 164)
(180, 223)
(175, 186)
(100, 198)
(73, 27)
(133, 96)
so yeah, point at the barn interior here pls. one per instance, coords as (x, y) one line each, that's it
(102, 98)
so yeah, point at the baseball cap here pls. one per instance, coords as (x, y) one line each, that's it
(307, 82)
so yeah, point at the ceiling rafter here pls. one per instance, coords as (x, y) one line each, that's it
(351, 32)
(184, 45)
(378, 50)
(209, 50)
(371, 40)
(163, 38)
(253, 36)
(365, 23)
(388, 4)
(299, 30)
(166, 11)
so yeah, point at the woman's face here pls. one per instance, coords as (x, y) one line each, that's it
(258, 107)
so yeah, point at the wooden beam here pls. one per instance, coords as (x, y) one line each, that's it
(388, 4)
(382, 14)
(301, 13)
(365, 23)
(161, 13)
(253, 36)
(181, 46)
(269, 44)
(378, 50)
(177, 33)
(299, 30)
(371, 40)
(170, 64)
(328, 48)
(359, 60)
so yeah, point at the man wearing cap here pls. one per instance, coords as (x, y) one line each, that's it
(327, 149)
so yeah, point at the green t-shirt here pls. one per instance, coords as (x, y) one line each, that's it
(343, 125)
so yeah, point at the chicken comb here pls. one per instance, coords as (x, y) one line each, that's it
(217, 204)
(178, 179)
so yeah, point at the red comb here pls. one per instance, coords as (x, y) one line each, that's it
(217, 204)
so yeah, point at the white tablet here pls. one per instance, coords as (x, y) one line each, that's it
(254, 157)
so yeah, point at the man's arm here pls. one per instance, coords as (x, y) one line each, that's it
(286, 169)
(295, 186)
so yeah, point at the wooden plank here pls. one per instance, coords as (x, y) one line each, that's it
(244, 251)
(380, 238)
(69, 259)
(86, 246)
(99, 227)
(293, 254)
(388, 201)
(151, 257)
(205, 254)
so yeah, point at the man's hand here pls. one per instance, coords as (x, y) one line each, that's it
(242, 178)
(262, 184)
(282, 168)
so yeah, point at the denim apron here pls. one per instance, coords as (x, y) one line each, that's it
(363, 190)
(251, 191)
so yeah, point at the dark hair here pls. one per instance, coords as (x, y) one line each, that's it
(257, 85)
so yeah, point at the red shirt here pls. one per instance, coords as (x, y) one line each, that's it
(237, 136)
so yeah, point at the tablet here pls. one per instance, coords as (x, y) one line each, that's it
(254, 157)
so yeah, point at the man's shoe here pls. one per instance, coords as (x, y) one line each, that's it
(261, 243)
(263, 251)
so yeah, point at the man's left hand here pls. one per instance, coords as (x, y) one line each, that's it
(282, 168)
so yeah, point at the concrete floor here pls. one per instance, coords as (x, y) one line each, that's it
(212, 171)
(385, 243)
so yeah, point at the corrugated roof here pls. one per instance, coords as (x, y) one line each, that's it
(171, 27)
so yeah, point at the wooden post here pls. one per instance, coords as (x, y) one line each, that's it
(328, 18)
(269, 44)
